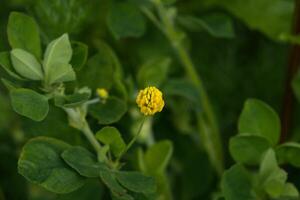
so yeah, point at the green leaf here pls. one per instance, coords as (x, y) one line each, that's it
(83, 161)
(217, 25)
(112, 137)
(80, 54)
(248, 149)
(182, 88)
(61, 72)
(110, 181)
(153, 72)
(115, 196)
(7, 65)
(108, 112)
(268, 164)
(236, 183)
(56, 17)
(29, 103)
(23, 33)
(72, 100)
(136, 182)
(289, 152)
(158, 156)
(126, 20)
(40, 163)
(272, 178)
(275, 20)
(26, 64)
(58, 53)
(9, 84)
(257, 118)
(290, 191)
(99, 72)
(91, 191)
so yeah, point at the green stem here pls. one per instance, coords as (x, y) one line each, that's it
(207, 122)
(90, 136)
(78, 121)
(132, 141)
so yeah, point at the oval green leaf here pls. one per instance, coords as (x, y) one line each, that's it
(80, 54)
(58, 52)
(136, 182)
(126, 20)
(108, 112)
(257, 118)
(26, 64)
(236, 183)
(112, 137)
(248, 149)
(23, 33)
(5, 62)
(83, 161)
(40, 162)
(29, 103)
(158, 156)
(289, 153)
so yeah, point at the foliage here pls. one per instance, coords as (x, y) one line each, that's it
(216, 68)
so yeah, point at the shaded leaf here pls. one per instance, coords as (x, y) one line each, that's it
(258, 118)
(23, 33)
(7, 65)
(108, 112)
(158, 156)
(79, 56)
(289, 152)
(112, 137)
(83, 161)
(110, 181)
(29, 103)
(248, 149)
(217, 25)
(72, 100)
(275, 20)
(136, 182)
(40, 163)
(126, 20)
(232, 190)
(153, 72)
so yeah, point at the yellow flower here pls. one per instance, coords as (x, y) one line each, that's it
(102, 93)
(150, 100)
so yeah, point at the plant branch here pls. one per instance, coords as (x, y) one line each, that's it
(77, 120)
(132, 141)
(293, 66)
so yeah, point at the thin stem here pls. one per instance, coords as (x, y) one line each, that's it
(90, 136)
(78, 121)
(132, 140)
(92, 101)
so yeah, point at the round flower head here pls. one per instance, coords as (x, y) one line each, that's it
(102, 93)
(150, 100)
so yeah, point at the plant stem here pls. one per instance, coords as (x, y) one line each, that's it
(132, 141)
(206, 121)
(77, 120)
(90, 136)
(293, 67)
